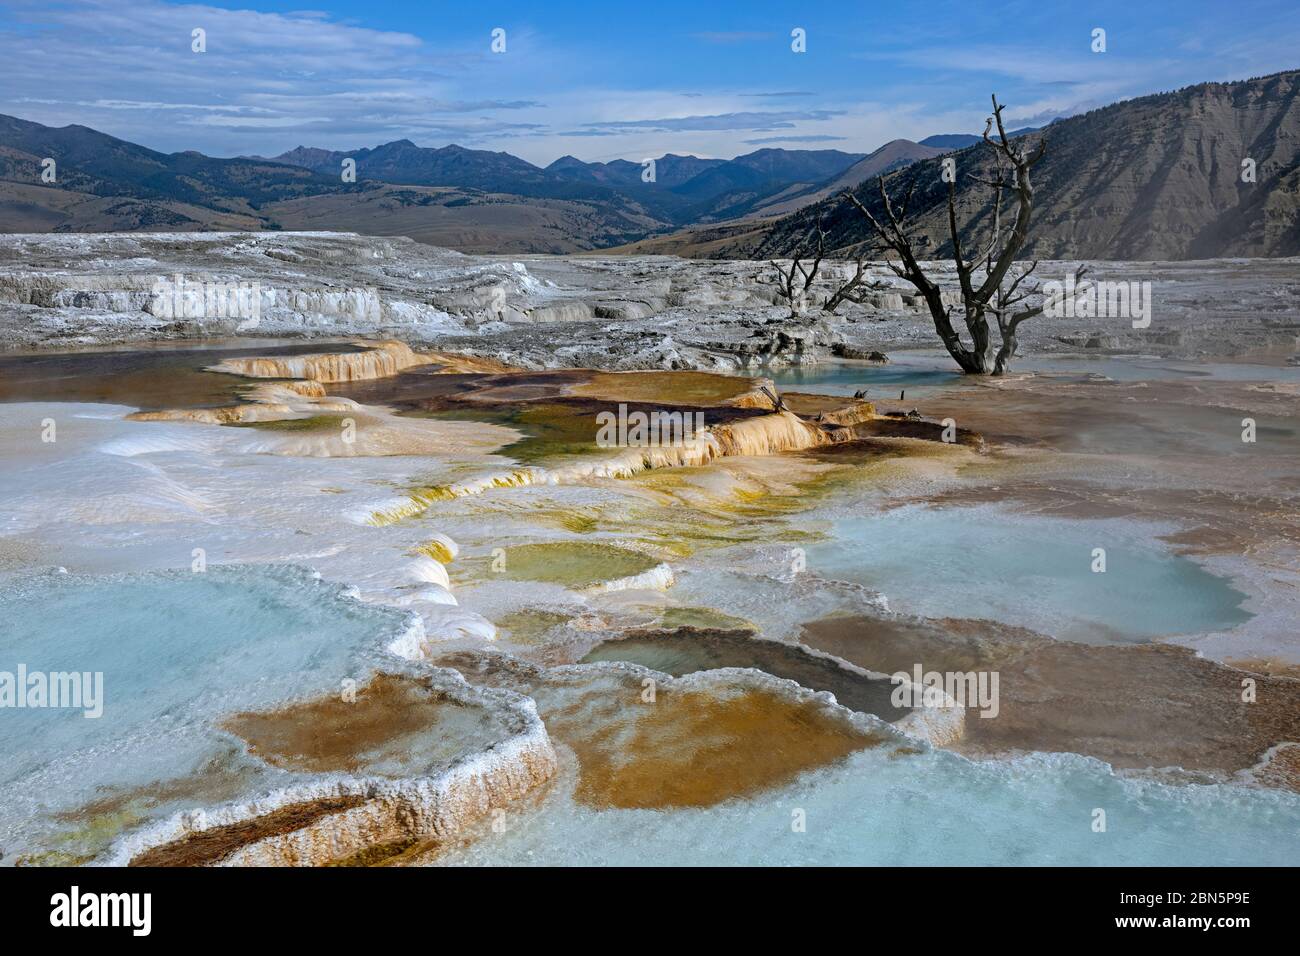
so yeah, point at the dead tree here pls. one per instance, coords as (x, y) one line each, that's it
(856, 289)
(778, 403)
(996, 292)
(794, 293)
(1009, 318)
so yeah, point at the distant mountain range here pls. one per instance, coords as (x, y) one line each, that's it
(475, 200)
(684, 189)
(1154, 177)
(104, 183)
(1158, 177)
(950, 141)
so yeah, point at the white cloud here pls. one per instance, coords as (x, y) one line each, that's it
(128, 69)
(270, 81)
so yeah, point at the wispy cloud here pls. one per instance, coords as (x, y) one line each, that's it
(811, 138)
(720, 121)
(261, 73)
(685, 82)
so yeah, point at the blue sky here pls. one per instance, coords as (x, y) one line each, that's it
(610, 80)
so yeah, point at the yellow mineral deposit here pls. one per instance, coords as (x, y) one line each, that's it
(376, 360)
(675, 388)
(762, 435)
(266, 402)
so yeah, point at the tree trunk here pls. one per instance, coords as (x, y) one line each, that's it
(948, 335)
(981, 342)
(977, 360)
(1006, 352)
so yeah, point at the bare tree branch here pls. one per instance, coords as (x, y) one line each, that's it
(1000, 288)
(778, 403)
(795, 294)
(855, 289)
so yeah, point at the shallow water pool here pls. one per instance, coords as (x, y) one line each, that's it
(881, 382)
(689, 651)
(1036, 572)
(883, 807)
(177, 650)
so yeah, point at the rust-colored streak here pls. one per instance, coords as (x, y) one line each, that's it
(696, 748)
(329, 734)
(214, 845)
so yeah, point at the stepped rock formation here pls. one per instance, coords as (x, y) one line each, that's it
(340, 818)
(270, 402)
(645, 313)
(377, 360)
(762, 435)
